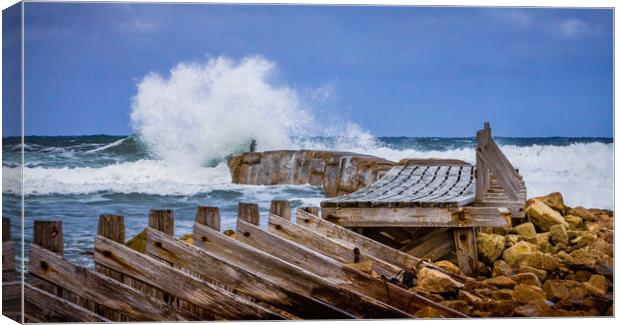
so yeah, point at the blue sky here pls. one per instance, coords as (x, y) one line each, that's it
(395, 71)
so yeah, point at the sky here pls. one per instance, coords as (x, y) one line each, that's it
(395, 71)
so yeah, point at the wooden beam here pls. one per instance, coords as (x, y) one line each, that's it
(97, 288)
(281, 208)
(223, 304)
(6, 229)
(112, 226)
(48, 234)
(418, 217)
(12, 300)
(47, 308)
(193, 260)
(319, 243)
(162, 220)
(249, 212)
(433, 245)
(293, 277)
(8, 256)
(371, 247)
(466, 250)
(209, 216)
(351, 278)
(312, 210)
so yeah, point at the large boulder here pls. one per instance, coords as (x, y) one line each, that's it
(542, 215)
(436, 281)
(555, 201)
(526, 230)
(558, 234)
(582, 213)
(525, 293)
(490, 246)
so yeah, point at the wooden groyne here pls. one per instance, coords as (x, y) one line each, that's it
(308, 269)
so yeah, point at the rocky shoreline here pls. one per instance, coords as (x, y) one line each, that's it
(557, 263)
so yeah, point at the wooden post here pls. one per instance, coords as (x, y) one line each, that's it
(312, 210)
(281, 208)
(113, 227)
(6, 229)
(466, 250)
(249, 212)
(208, 216)
(483, 175)
(48, 234)
(162, 220)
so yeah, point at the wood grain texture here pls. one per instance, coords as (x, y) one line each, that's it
(209, 216)
(466, 250)
(418, 217)
(112, 226)
(371, 247)
(47, 308)
(292, 276)
(193, 260)
(97, 288)
(249, 212)
(8, 256)
(281, 208)
(351, 278)
(223, 304)
(48, 234)
(162, 220)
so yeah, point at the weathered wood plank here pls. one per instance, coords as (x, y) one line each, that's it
(432, 246)
(209, 216)
(466, 250)
(418, 217)
(291, 276)
(8, 256)
(319, 243)
(249, 212)
(162, 220)
(45, 307)
(12, 300)
(221, 303)
(324, 266)
(6, 229)
(192, 259)
(48, 234)
(371, 247)
(281, 208)
(97, 288)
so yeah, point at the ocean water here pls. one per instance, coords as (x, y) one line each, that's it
(75, 179)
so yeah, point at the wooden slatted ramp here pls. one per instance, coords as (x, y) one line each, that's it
(423, 205)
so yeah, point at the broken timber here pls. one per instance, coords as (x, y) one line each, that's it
(428, 194)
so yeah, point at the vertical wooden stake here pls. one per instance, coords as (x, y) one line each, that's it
(162, 220)
(313, 210)
(466, 250)
(6, 229)
(248, 212)
(281, 208)
(112, 227)
(208, 216)
(48, 234)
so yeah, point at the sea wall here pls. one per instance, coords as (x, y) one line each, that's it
(337, 173)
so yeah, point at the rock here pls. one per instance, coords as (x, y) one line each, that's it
(543, 240)
(500, 282)
(230, 233)
(525, 293)
(490, 246)
(449, 267)
(582, 276)
(503, 294)
(458, 305)
(540, 274)
(500, 267)
(582, 241)
(558, 234)
(526, 230)
(542, 215)
(431, 296)
(606, 270)
(555, 201)
(597, 285)
(187, 238)
(589, 257)
(556, 289)
(582, 213)
(513, 254)
(138, 242)
(511, 240)
(436, 282)
(428, 312)
(539, 260)
(364, 266)
(574, 222)
(526, 278)
(469, 297)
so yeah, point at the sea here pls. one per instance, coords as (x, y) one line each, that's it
(77, 178)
